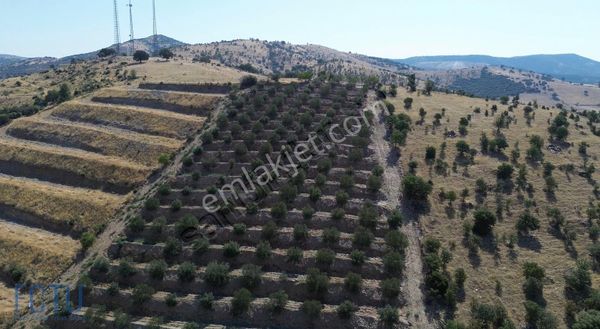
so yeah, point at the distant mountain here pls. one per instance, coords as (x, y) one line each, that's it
(570, 67)
(15, 66)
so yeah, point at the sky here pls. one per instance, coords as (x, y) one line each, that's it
(383, 28)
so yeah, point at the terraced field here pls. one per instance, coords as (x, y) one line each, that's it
(69, 170)
(313, 248)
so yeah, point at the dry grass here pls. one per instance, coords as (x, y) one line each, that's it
(177, 71)
(572, 198)
(140, 148)
(85, 164)
(161, 123)
(173, 97)
(43, 254)
(81, 208)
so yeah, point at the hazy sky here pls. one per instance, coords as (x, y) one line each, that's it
(393, 29)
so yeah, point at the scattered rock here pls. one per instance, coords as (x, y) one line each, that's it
(554, 148)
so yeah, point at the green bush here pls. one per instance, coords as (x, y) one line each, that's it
(389, 316)
(125, 269)
(142, 293)
(186, 272)
(200, 246)
(484, 221)
(241, 301)
(357, 257)
(173, 248)
(279, 210)
(216, 274)
(393, 262)
(346, 309)
(277, 301)
(316, 281)
(136, 224)
(527, 222)
(206, 300)
(156, 269)
(325, 257)
(251, 276)
(312, 308)
(504, 171)
(294, 255)
(152, 204)
(353, 282)
(231, 249)
(171, 300)
(362, 238)
(269, 231)
(338, 214)
(263, 250)
(415, 188)
(87, 240)
(367, 216)
(396, 240)
(395, 219)
(331, 236)
(390, 288)
(587, 320)
(101, 265)
(185, 223)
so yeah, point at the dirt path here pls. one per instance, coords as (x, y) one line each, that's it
(413, 278)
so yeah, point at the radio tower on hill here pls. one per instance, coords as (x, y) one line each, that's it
(117, 33)
(155, 33)
(131, 37)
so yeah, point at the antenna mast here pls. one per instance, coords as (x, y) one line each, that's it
(117, 33)
(155, 33)
(131, 37)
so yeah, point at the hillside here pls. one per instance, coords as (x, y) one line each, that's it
(570, 67)
(554, 191)
(270, 57)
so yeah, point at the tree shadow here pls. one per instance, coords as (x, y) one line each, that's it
(529, 242)
(393, 157)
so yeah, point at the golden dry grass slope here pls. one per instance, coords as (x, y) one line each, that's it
(445, 222)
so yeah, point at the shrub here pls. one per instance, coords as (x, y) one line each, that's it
(396, 240)
(121, 320)
(87, 240)
(216, 274)
(263, 250)
(367, 216)
(415, 188)
(200, 246)
(142, 293)
(186, 272)
(231, 249)
(578, 280)
(314, 194)
(389, 316)
(331, 236)
(100, 265)
(294, 255)
(353, 282)
(172, 248)
(325, 257)
(308, 212)
(484, 221)
(430, 153)
(316, 282)
(338, 214)
(374, 183)
(341, 198)
(460, 276)
(533, 270)
(390, 288)
(504, 171)
(527, 222)
(248, 81)
(171, 300)
(136, 225)
(533, 289)
(312, 308)
(279, 210)
(156, 269)
(176, 205)
(357, 257)
(251, 276)
(125, 269)
(277, 301)
(589, 319)
(206, 300)
(395, 219)
(288, 193)
(152, 204)
(269, 231)
(362, 237)
(191, 325)
(185, 223)
(239, 229)
(393, 262)
(241, 301)
(346, 309)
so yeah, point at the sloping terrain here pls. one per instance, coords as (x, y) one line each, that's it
(66, 172)
(285, 58)
(316, 249)
(545, 210)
